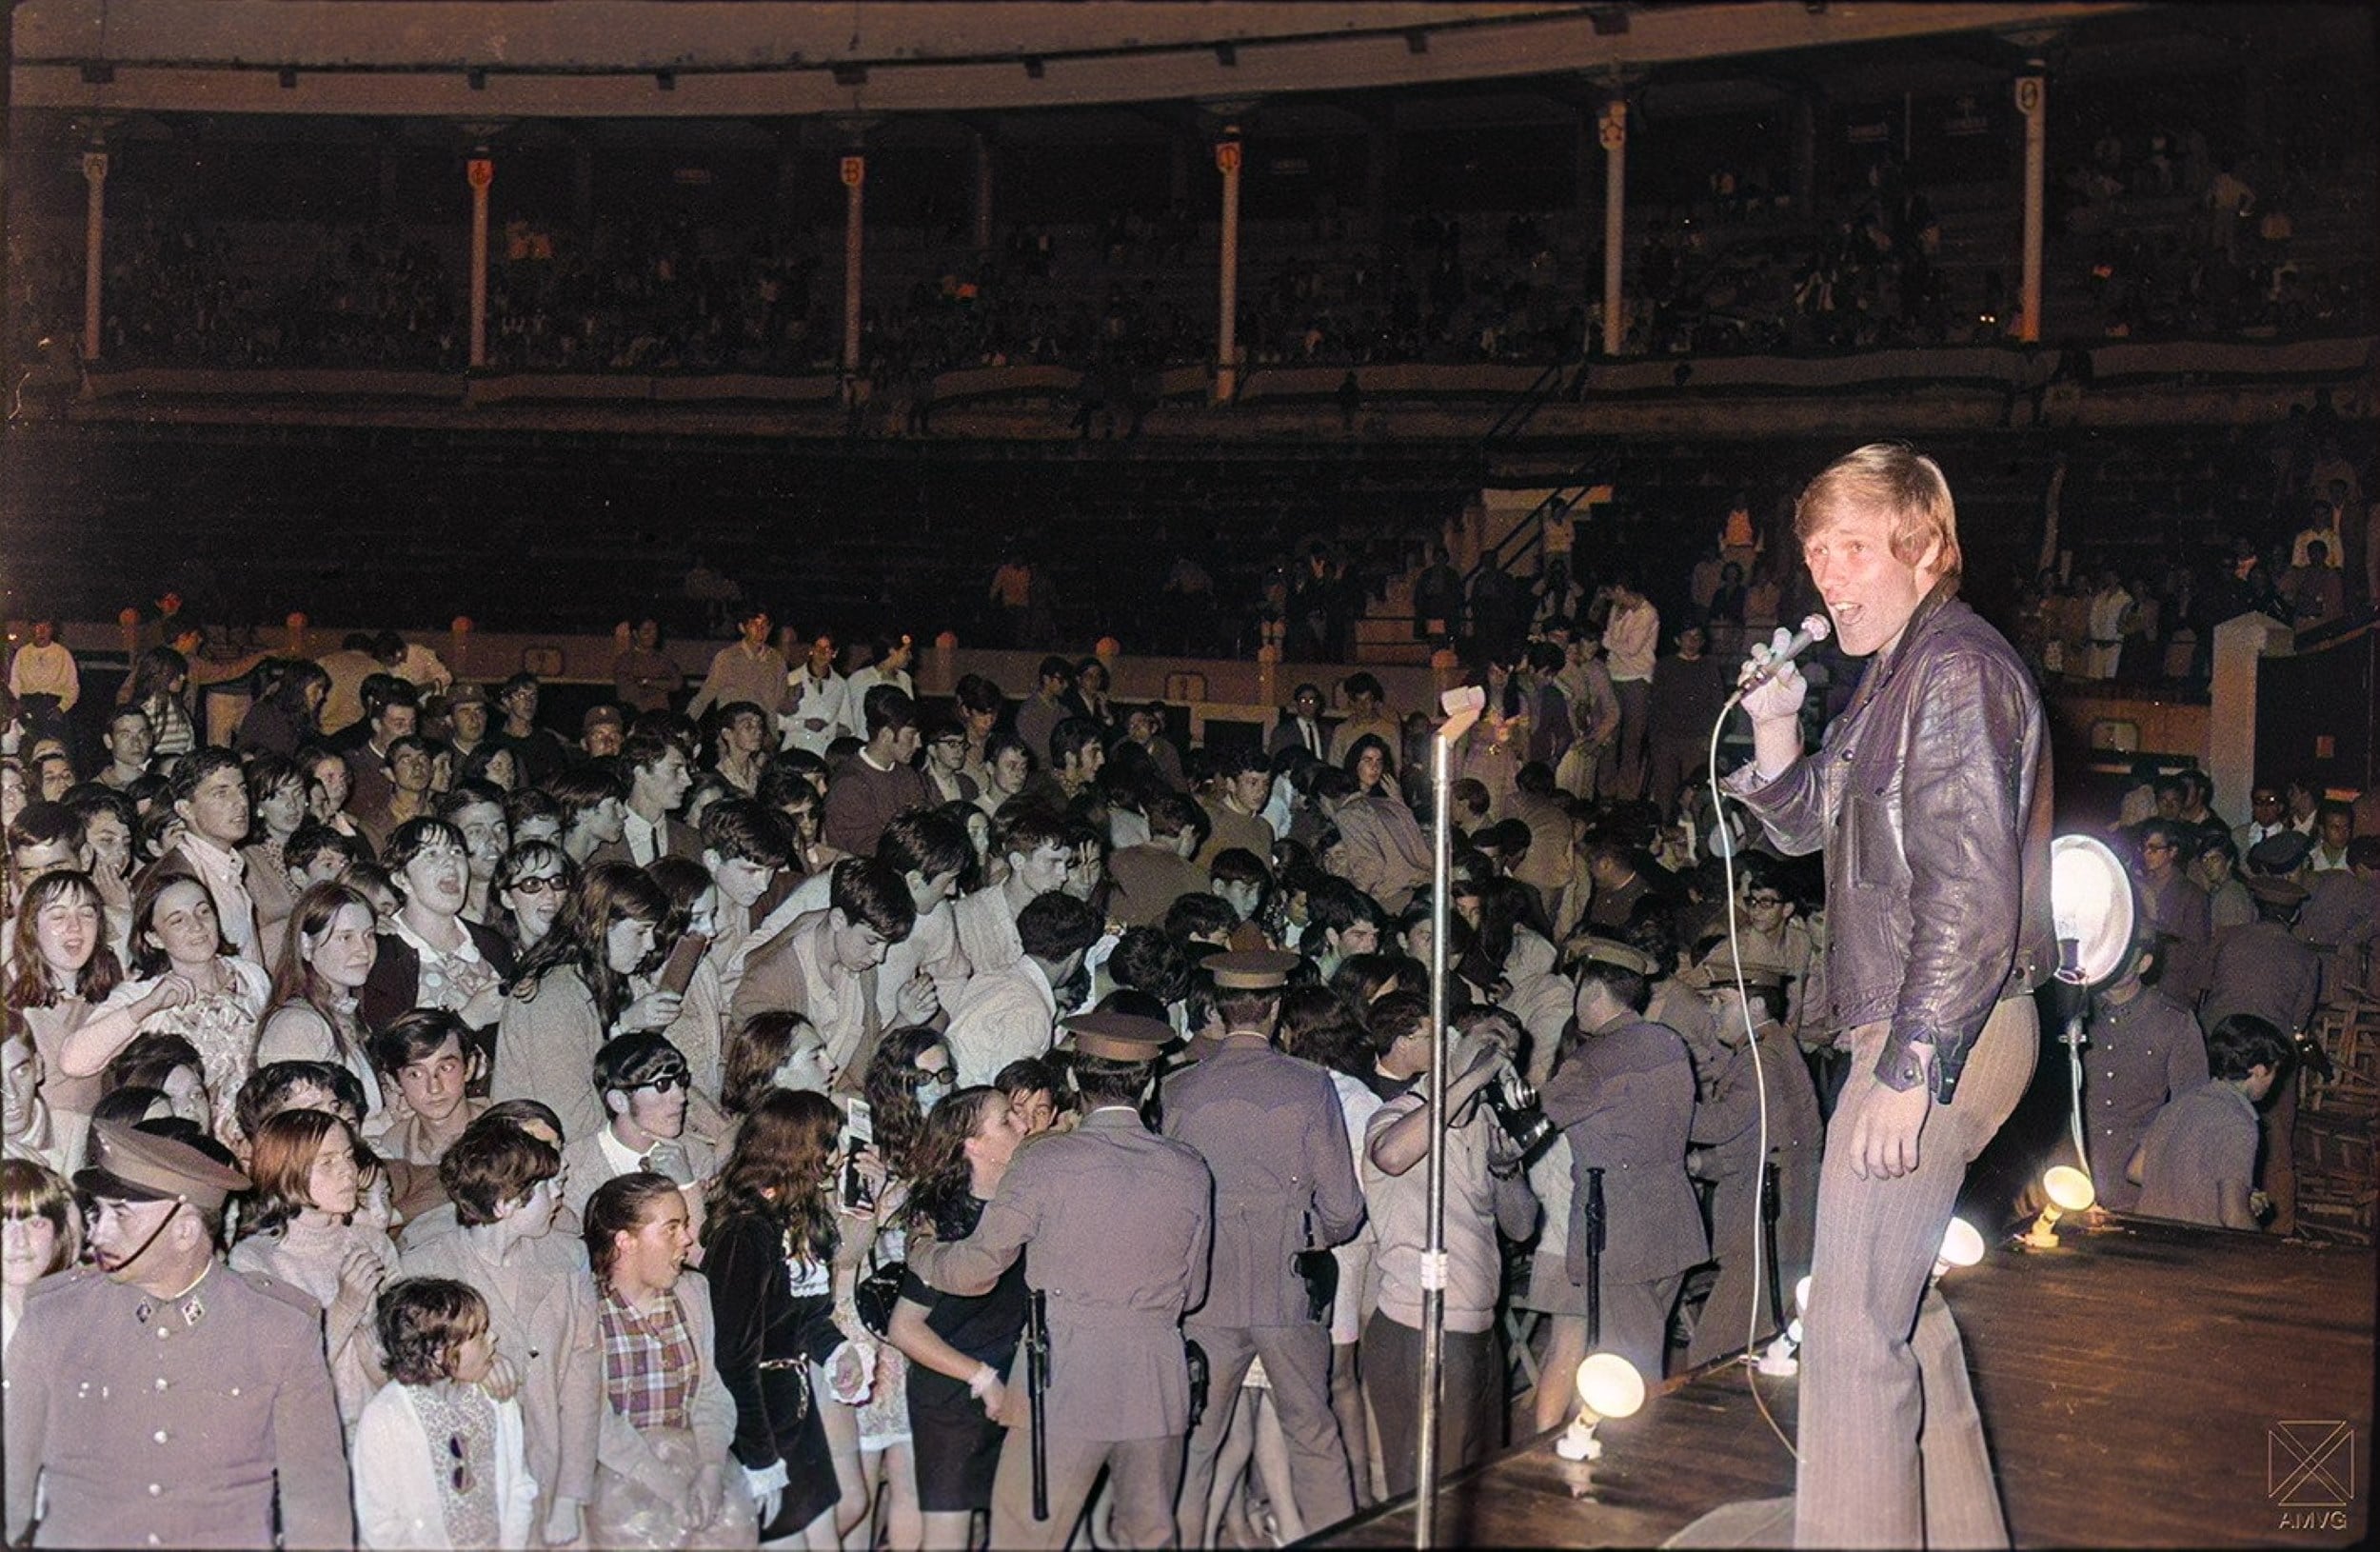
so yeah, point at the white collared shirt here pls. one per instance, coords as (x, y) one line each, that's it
(225, 874)
(643, 838)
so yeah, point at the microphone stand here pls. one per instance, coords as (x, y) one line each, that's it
(1463, 709)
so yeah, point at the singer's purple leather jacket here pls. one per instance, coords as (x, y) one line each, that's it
(1931, 795)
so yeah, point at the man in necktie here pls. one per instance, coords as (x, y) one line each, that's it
(1302, 724)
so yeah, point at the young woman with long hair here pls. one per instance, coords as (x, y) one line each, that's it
(910, 1073)
(325, 958)
(303, 1227)
(186, 981)
(64, 970)
(959, 1348)
(574, 991)
(770, 1240)
(277, 805)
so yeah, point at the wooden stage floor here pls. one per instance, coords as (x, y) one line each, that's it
(2146, 1385)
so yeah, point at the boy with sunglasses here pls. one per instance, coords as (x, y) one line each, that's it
(645, 1084)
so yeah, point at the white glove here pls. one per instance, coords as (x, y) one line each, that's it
(1780, 698)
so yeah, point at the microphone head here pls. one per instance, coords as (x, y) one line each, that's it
(1817, 627)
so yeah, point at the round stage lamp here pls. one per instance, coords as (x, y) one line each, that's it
(2091, 906)
(1609, 1386)
(2069, 1190)
(1962, 1245)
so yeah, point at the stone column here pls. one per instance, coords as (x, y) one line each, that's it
(1612, 128)
(1227, 157)
(481, 171)
(854, 180)
(94, 249)
(2032, 103)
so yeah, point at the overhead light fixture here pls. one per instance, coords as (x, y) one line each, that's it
(478, 80)
(1609, 1386)
(289, 79)
(851, 76)
(2069, 1190)
(665, 80)
(1609, 21)
(1417, 41)
(1034, 69)
(1227, 55)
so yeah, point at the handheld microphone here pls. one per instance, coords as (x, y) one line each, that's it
(1814, 627)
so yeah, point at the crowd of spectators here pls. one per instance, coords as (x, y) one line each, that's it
(2151, 240)
(462, 1024)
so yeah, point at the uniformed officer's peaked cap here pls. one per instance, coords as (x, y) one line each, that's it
(1611, 951)
(1251, 970)
(2280, 852)
(143, 1167)
(2274, 891)
(1119, 1037)
(1721, 970)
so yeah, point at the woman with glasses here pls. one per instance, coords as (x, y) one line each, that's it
(909, 1076)
(531, 883)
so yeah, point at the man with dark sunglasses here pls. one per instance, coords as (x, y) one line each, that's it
(644, 1082)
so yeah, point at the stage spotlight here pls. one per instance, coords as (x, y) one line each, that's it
(1962, 1245)
(1609, 1386)
(2070, 1191)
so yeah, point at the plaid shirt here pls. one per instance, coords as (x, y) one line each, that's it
(650, 1364)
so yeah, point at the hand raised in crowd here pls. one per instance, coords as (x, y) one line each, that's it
(917, 1000)
(654, 1010)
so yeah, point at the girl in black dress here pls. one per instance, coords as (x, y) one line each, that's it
(959, 1349)
(769, 1253)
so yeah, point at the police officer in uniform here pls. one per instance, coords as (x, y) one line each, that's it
(1624, 1094)
(161, 1399)
(1119, 1222)
(1726, 1136)
(1270, 1129)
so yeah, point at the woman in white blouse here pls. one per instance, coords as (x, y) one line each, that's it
(185, 982)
